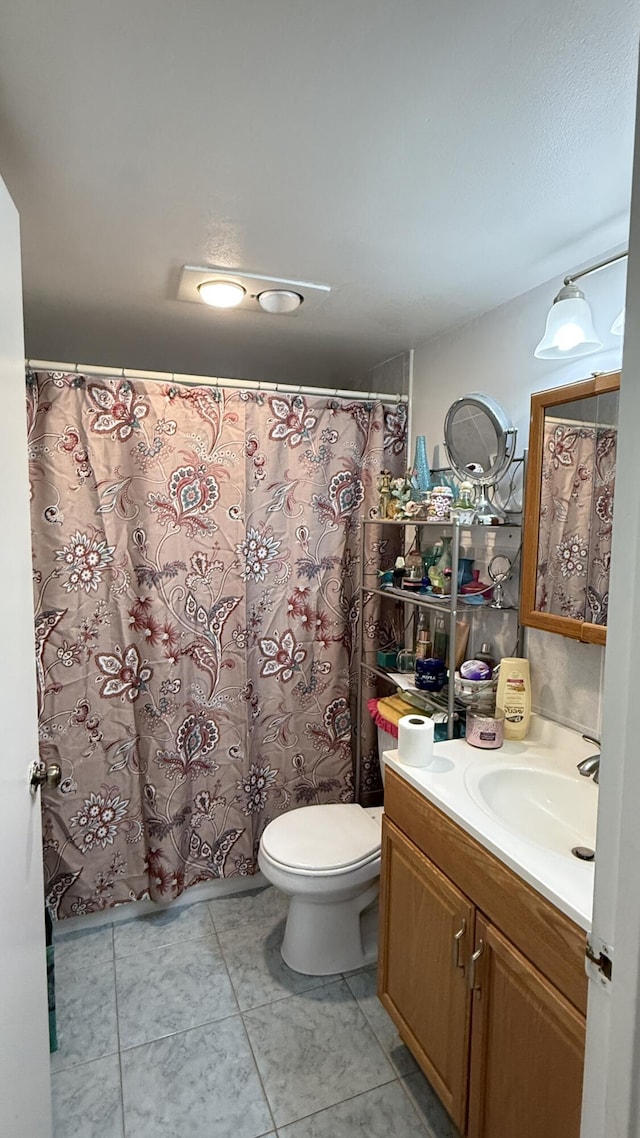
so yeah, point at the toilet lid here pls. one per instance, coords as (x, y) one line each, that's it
(327, 837)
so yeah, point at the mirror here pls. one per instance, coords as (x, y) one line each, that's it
(569, 508)
(480, 443)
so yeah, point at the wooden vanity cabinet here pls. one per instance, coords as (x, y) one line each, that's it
(501, 1037)
(424, 975)
(527, 1048)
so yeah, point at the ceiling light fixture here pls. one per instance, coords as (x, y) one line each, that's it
(279, 301)
(221, 294)
(250, 293)
(569, 332)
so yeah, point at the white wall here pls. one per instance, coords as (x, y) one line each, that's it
(494, 354)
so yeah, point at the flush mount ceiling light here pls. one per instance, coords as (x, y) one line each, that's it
(251, 293)
(570, 332)
(221, 294)
(279, 301)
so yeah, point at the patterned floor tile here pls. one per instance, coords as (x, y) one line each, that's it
(87, 1102)
(202, 1083)
(258, 973)
(363, 986)
(186, 922)
(314, 1050)
(252, 905)
(83, 948)
(86, 1016)
(172, 989)
(429, 1107)
(380, 1113)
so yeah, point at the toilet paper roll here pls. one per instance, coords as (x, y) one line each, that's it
(415, 740)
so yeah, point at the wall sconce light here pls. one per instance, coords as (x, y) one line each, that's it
(569, 332)
(618, 325)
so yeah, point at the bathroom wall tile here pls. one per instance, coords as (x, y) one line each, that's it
(171, 989)
(429, 1107)
(565, 679)
(83, 948)
(157, 929)
(202, 1083)
(363, 986)
(378, 1113)
(87, 1101)
(86, 1015)
(258, 973)
(314, 1050)
(252, 905)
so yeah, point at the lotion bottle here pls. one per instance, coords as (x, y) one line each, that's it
(513, 696)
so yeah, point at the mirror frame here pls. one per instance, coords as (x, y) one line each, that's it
(505, 435)
(581, 630)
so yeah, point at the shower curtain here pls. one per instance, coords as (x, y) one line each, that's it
(195, 565)
(576, 520)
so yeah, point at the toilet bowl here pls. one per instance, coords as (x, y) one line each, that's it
(327, 858)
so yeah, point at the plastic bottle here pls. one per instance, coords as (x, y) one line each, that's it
(423, 647)
(514, 696)
(486, 655)
(440, 639)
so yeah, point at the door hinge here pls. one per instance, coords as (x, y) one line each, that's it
(599, 961)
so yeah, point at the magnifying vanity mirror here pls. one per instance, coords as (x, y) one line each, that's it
(569, 508)
(480, 443)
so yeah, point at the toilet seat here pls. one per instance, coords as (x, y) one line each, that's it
(330, 839)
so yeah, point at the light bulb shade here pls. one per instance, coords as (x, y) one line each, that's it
(279, 301)
(221, 294)
(569, 332)
(618, 325)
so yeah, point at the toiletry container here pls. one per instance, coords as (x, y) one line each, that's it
(486, 655)
(423, 646)
(513, 696)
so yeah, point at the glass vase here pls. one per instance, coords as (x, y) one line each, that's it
(421, 464)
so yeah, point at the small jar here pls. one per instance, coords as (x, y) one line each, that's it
(485, 731)
(440, 504)
(431, 674)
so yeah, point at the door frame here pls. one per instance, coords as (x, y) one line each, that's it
(611, 1087)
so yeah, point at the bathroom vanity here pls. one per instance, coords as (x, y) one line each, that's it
(484, 913)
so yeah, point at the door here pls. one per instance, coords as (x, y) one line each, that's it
(425, 926)
(527, 1048)
(25, 1109)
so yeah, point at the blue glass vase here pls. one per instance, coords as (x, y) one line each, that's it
(421, 464)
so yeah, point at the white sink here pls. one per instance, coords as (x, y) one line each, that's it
(548, 807)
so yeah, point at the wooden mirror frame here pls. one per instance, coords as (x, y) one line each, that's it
(585, 631)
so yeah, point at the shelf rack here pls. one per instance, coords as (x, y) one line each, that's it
(452, 606)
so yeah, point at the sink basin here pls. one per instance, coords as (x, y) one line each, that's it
(548, 807)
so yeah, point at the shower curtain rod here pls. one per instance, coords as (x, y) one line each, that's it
(213, 381)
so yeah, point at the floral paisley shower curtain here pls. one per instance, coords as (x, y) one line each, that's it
(576, 520)
(195, 567)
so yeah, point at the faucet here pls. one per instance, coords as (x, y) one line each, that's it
(591, 765)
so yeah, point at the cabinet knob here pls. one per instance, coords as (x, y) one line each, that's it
(457, 944)
(475, 956)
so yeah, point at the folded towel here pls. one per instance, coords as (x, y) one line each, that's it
(386, 713)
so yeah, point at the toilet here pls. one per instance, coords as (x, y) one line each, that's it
(327, 858)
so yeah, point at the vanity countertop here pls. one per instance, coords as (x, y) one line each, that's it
(452, 781)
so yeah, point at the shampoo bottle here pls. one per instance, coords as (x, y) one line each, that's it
(513, 697)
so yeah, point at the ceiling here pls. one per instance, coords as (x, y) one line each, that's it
(427, 160)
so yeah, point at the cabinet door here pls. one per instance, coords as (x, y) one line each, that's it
(527, 1048)
(422, 979)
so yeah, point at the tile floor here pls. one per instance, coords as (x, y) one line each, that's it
(187, 1024)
